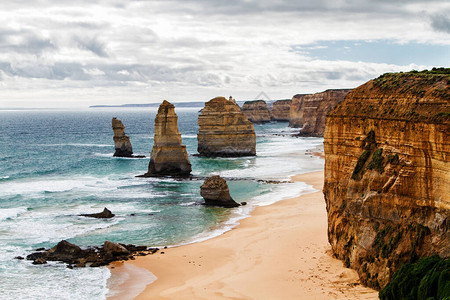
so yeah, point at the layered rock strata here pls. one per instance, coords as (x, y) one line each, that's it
(169, 157)
(224, 130)
(215, 191)
(310, 111)
(387, 179)
(122, 142)
(296, 111)
(256, 111)
(281, 110)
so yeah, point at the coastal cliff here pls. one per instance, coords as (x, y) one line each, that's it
(256, 111)
(122, 142)
(169, 156)
(387, 179)
(310, 111)
(224, 130)
(281, 110)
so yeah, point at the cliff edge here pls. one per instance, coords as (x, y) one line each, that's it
(387, 179)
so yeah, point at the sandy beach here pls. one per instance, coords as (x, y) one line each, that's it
(280, 252)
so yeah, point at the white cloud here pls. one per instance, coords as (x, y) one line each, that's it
(141, 51)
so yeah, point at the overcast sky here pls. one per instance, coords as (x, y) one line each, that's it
(77, 53)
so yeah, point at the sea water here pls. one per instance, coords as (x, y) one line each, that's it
(56, 165)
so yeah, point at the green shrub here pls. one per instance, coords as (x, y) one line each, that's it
(428, 278)
(360, 164)
(377, 161)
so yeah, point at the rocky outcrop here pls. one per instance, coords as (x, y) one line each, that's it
(224, 130)
(122, 142)
(215, 192)
(74, 256)
(281, 110)
(169, 157)
(313, 109)
(256, 111)
(387, 179)
(105, 214)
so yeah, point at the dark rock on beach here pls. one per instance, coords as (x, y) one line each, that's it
(105, 214)
(215, 192)
(74, 256)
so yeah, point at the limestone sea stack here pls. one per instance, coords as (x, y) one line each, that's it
(256, 111)
(215, 192)
(387, 179)
(281, 110)
(122, 142)
(169, 157)
(312, 111)
(224, 130)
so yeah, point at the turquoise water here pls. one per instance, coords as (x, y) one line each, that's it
(55, 165)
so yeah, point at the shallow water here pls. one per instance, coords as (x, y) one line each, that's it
(55, 165)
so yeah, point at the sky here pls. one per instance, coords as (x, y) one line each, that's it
(68, 54)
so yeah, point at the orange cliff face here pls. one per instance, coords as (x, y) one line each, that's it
(281, 110)
(310, 111)
(387, 174)
(256, 111)
(224, 130)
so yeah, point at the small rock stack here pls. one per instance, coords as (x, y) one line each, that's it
(215, 192)
(122, 142)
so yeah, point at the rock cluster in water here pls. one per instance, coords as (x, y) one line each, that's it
(281, 110)
(74, 256)
(310, 111)
(224, 130)
(256, 111)
(169, 156)
(122, 142)
(215, 192)
(387, 184)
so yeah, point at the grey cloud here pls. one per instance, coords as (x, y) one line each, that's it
(93, 45)
(440, 23)
(29, 42)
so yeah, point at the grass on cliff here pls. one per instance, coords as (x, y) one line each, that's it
(429, 278)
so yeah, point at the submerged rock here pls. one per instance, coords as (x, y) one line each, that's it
(215, 192)
(224, 130)
(105, 214)
(169, 156)
(122, 142)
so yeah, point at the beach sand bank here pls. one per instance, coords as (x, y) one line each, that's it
(280, 252)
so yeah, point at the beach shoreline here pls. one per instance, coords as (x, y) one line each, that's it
(280, 252)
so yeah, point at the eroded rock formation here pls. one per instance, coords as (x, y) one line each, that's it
(215, 192)
(310, 111)
(387, 179)
(122, 142)
(224, 130)
(169, 156)
(105, 214)
(256, 111)
(281, 110)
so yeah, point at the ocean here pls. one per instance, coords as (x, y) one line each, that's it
(57, 164)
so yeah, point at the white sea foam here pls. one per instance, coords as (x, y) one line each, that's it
(141, 276)
(7, 213)
(4, 177)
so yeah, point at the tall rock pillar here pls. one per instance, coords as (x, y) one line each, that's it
(169, 156)
(122, 142)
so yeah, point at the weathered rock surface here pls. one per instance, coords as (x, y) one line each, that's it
(310, 111)
(105, 214)
(387, 179)
(215, 192)
(256, 111)
(224, 130)
(169, 156)
(281, 110)
(122, 142)
(94, 257)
